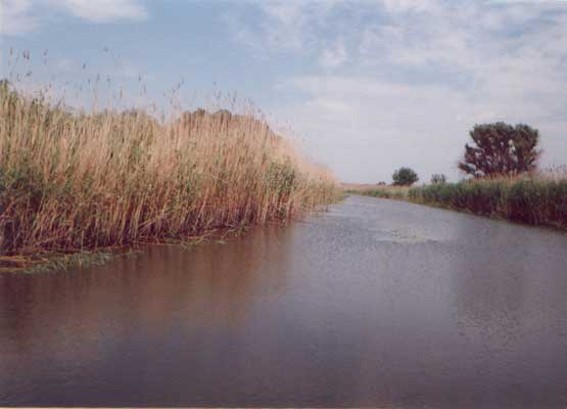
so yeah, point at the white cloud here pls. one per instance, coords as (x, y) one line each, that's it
(281, 28)
(405, 6)
(105, 10)
(365, 126)
(421, 74)
(334, 56)
(527, 1)
(23, 16)
(284, 26)
(16, 17)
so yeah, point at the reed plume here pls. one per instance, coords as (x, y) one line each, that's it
(72, 181)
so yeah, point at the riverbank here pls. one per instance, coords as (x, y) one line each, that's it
(537, 201)
(381, 191)
(72, 181)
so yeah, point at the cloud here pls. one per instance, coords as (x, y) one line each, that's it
(334, 56)
(282, 26)
(102, 11)
(366, 126)
(405, 6)
(416, 76)
(527, 1)
(16, 17)
(24, 16)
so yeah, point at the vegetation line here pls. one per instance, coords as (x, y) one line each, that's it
(75, 181)
(532, 200)
(536, 201)
(383, 192)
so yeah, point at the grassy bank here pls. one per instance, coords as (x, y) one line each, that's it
(74, 181)
(383, 192)
(535, 201)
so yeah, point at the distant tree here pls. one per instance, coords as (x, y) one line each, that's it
(438, 178)
(500, 149)
(404, 177)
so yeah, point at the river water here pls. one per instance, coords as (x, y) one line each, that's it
(374, 303)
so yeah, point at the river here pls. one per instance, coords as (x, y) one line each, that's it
(373, 303)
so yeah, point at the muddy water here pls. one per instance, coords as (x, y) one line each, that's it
(376, 303)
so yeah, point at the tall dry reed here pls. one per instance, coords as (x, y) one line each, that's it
(72, 181)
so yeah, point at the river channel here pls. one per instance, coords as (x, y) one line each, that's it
(373, 303)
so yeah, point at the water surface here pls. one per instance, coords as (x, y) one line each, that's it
(375, 303)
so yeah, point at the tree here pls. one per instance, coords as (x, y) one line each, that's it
(500, 149)
(404, 177)
(438, 178)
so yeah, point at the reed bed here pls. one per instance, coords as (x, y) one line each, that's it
(74, 181)
(537, 200)
(383, 192)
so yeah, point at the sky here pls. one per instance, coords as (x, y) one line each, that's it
(364, 86)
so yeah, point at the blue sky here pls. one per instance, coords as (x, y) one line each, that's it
(364, 86)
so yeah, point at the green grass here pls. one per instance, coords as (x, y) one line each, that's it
(533, 201)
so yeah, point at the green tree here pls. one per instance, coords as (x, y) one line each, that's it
(500, 149)
(404, 177)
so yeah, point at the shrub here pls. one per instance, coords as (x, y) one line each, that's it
(404, 177)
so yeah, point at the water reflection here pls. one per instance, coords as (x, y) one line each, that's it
(509, 284)
(506, 277)
(489, 283)
(54, 322)
(376, 303)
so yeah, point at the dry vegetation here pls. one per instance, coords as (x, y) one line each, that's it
(381, 191)
(73, 181)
